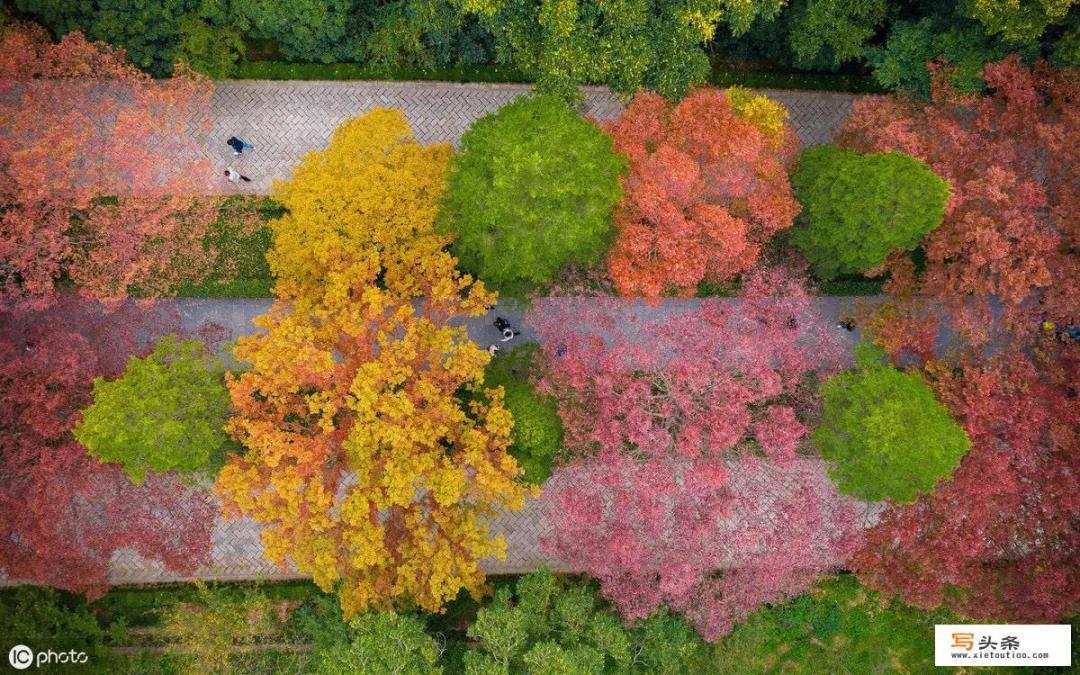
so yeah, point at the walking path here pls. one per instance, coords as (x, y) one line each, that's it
(285, 119)
(237, 548)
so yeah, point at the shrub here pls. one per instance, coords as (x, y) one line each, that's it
(532, 190)
(538, 431)
(856, 209)
(167, 411)
(885, 434)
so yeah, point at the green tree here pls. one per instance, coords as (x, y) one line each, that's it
(308, 30)
(43, 618)
(1018, 21)
(167, 411)
(532, 190)
(210, 50)
(884, 433)
(538, 431)
(146, 29)
(856, 209)
(631, 44)
(841, 627)
(548, 624)
(383, 643)
(962, 44)
(839, 29)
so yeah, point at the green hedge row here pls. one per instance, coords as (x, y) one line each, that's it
(724, 77)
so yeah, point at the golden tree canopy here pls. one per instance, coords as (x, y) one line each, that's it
(364, 463)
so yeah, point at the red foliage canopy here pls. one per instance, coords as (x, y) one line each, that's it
(1012, 224)
(714, 376)
(99, 170)
(1001, 538)
(706, 188)
(708, 538)
(65, 514)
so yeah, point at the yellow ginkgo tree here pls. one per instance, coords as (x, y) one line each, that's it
(374, 456)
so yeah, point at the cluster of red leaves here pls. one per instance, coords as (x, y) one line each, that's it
(100, 170)
(708, 538)
(670, 407)
(65, 514)
(1001, 538)
(706, 189)
(710, 377)
(1012, 225)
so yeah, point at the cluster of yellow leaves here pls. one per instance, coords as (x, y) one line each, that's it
(363, 463)
(761, 111)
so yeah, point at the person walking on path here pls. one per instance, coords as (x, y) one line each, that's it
(233, 176)
(493, 350)
(508, 332)
(238, 145)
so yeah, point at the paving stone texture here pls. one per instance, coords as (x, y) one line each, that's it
(287, 119)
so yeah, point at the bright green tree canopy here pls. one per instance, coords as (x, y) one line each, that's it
(167, 411)
(532, 190)
(884, 433)
(856, 209)
(384, 643)
(538, 430)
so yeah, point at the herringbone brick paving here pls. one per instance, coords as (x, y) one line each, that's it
(287, 119)
(284, 120)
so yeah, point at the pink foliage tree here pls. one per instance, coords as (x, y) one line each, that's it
(715, 376)
(65, 513)
(672, 411)
(710, 538)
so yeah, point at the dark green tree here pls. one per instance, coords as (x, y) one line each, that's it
(538, 430)
(532, 190)
(548, 624)
(960, 43)
(884, 433)
(856, 209)
(43, 618)
(836, 29)
(166, 412)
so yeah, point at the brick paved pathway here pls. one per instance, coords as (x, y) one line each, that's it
(287, 119)
(237, 549)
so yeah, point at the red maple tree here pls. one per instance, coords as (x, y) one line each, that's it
(100, 170)
(1001, 537)
(704, 377)
(1011, 229)
(710, 538)
(65, 513)
(707, 187)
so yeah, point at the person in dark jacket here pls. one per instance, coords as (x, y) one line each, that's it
(238, 145)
